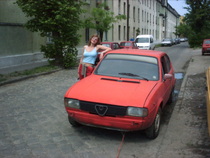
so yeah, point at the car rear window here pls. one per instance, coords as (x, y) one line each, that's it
(125, 44)
(106, 45)
(142, 40)
(207, 42)
(129, 66)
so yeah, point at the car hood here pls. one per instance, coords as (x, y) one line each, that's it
(108, 90)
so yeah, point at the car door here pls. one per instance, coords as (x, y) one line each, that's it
(167, 83)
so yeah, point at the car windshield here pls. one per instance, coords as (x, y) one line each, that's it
(142, 40)
(106, 45)
(166, 39)
(129, 66)
(207, 42)
(125, 44)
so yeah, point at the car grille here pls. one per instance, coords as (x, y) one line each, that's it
(103, 109)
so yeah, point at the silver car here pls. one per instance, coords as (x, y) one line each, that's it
(167, 42)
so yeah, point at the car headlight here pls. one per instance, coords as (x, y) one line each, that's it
(138, 112)
(72, 103)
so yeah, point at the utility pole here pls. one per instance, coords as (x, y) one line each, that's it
(128, 14)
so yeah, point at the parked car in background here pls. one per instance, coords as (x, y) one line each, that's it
(145, 42)
(167, 42)
(112, 45)
(126, 92)
(206, 46)
(177, 40)
(128, 45)
(183, 39)
(173, 41)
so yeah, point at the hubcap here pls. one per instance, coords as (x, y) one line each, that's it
(157, 122)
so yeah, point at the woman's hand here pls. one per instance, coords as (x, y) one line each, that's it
(104, 48)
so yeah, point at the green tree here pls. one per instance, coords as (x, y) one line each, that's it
(198, 19)
(137, 31)
(101, 19)
(60, 20)
(182, 30)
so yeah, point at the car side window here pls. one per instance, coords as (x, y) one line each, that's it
(116, 46)
(166, 64)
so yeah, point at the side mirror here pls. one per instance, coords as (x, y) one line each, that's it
(168, 76)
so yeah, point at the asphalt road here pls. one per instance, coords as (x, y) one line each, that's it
(33, 123)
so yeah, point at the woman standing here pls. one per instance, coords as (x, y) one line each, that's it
(89, 56)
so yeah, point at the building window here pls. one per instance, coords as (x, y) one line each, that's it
(138, 15)
(150, 18)
(134, 15)
(134, 32)
(142, 19)
(87, 36)
(105, 36)
(124, 10)
(119, 7)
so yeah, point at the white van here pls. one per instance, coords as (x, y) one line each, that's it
(145, 42)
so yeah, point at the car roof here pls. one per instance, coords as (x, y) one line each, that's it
(127, 42)
(138, 52)
(108, 42)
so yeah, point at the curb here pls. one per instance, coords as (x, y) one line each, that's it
(17, 79)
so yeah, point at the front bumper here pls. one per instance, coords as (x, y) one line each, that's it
(120, 123)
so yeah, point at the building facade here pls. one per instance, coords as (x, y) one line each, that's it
(154, 17)
(21, 48)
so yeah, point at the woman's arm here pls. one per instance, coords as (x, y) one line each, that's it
(104, 48)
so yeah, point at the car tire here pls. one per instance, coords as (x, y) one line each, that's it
(153, 131)
(171, 97)
(73, 122)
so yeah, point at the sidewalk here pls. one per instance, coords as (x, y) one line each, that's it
(187, 132)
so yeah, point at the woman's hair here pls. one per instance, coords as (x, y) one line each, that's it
(98, 42)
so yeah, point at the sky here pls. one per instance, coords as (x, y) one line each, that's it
(178, 6)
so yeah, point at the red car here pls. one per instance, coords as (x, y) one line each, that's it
(127, 92)
(128, 45)
(206, 46)
(112, 45)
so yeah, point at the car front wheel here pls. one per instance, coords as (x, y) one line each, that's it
(73, 122)
(171, 98)
(153, 131)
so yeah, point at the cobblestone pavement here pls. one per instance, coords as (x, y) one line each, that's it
(187, 133)
(33, 124)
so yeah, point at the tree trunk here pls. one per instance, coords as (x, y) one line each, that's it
(101, 35)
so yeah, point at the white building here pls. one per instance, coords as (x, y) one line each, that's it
(155, 17)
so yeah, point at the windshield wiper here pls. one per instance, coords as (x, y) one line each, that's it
(132, 75)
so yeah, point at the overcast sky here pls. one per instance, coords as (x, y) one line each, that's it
(178, 6)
